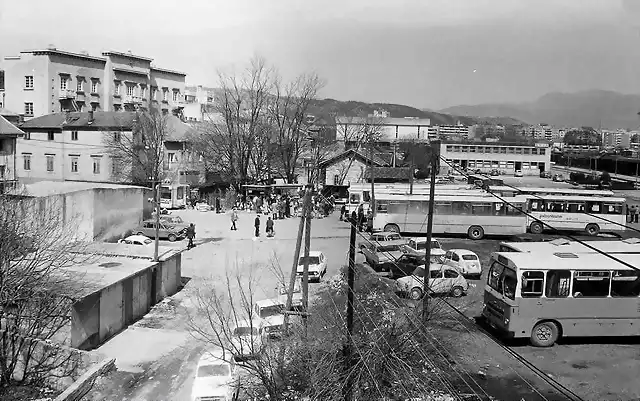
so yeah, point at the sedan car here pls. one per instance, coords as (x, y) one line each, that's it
(518, 173)
(383, 236)
(380, 256)
(216, 377)
(136, 240)
(271, 313)
(203, 207)
(166, 230)
(442, 280)
(408, 262)
(417, 246)
(248, 339)
(317, 266)
(464, 261)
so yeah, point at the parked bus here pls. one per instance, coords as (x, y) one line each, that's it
(173, 196)
(561, 294)
(612, 247)
(473, 215)
(506, 190)
(577, 213)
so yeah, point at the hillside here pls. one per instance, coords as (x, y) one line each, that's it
(593, 108)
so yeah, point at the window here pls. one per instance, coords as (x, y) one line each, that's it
(28, 109)
(115, 166)
(154, 93)
(165, 95)
(532, 284)
(96, 165)
(450, 274)
(172, 157)
(625, 284)
(74, 135)
(80, 85)
(442, 207)
(612, 208)
(527, 151)
(117, 107)
(74, 164)
(483, 209)
(435, 273)
(116, 137)
(534, 151)
(574, 207)
(116, 89)
(94, 86)
(28, 82)
(594, 207)
(455, 257)
(558, 284)
(143, 91)
(555, 206)
(336, 179)
(175, 96)
(64, 83)
(50, 136)
(130, 90)
(503, 280)
(542, 151)
(26, 162)
(94, 107)
(49, 162)
(591, 284)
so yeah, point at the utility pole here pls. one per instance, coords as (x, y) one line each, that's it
(347, 390)
(373, 178)
(435, 155)
(157, 239)
(411, 177)
(305, 272)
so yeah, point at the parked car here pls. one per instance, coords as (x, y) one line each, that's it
(380, 255)
(137, 240)
(270, 312)
(216, 377)
(203, 207)
(167, 230)
(545, 174)
(379, 237)
(248, 339)
(494, 173)
(418, 245)
(558, 178)
(442, 280)
(465, 261)
(296, 300)
(172, 219)
(407, 263)
(518, 173)
(317, 266)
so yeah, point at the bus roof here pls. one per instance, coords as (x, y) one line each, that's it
(551, 191)
(565, 261)
(631, 245)
(578, 198)
(473, 197)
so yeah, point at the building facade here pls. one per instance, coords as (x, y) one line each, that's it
(508, 158)
(199, 103)
(386, 129)
(618, 138)
(41, 82)
(9, 135)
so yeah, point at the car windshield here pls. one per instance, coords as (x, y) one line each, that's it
(175, 219)
(469, 257)
(419, 271)
(245, 331)
(214, 370)
(313, 260)
(272, 310)
(388, 248)
(423, 245)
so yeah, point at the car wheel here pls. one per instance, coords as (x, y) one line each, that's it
(544, 334)
(592, 229)
(457, 291)
(416, 293)
(392, 228)
(172, 237)
(475, 233)
(536, 227)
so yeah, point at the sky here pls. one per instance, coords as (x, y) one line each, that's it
(424, 53)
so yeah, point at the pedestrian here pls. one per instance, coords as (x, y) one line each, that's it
(234, 218)
(361, 217)
(343, 212)
(256, 224)
(270, 232)
(370, 222)
(635, 213)
(191, 234)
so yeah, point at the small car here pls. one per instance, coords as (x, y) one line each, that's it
(382, 236)
(558, 177)
(381, 255)
(248, 339)
(442, 280)
(270, 312)
(464, 261)
(317, 266)
(545, 174)
(216, 377)
(408, 262)
(137, 240)
(203, 207)
(518, 173)
(167, 230)
(296, 300)
(418, 245)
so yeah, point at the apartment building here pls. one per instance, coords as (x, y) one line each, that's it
(9, 134)
(198, 103)
(388, 129)
(531, 160)
(40, 82)
(453, 131)
(72, 146)
(618, 138)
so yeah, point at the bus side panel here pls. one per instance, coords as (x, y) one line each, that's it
(615, 316)
(578, 221)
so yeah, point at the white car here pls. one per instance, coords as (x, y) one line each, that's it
(216, 377)
(270, 312)
(518, 173)
(296, 299)
(317, 266)
(442, 280)
(417, 246)
(248, 339)
(465, 261)
(137, 240)
(203, 207)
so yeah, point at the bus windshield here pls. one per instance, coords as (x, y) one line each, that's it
(503, 280)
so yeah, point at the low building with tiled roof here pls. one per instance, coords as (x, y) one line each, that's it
(9, 135)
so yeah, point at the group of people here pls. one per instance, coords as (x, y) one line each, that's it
(363, 221)
(632, 213)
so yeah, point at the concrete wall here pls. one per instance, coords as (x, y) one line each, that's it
(111, 310)
(117, 210)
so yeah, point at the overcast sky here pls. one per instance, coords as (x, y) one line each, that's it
(425, 53)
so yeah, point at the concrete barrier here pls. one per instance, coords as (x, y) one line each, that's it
(85, 382)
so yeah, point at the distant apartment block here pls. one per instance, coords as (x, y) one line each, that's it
(454, 131)
(41, 82)
(387, 130)
(618, 138)
(198, 103)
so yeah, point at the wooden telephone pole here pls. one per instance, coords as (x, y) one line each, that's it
(435, 156)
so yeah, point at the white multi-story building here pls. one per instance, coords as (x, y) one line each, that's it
(198, 103)
(387, 129)
(618, 138)
(454, 131)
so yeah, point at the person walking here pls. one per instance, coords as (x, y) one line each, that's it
(234, 219)
(256, 224)
(343, 213)
(360, 217)
(191, 234)
(370, 222)
(269, 224)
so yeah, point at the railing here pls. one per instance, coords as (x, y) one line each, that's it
(132, 99)
(67, 94)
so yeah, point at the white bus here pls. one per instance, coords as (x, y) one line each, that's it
(576, 213)
(562, 294)
(506, 190)
(613, 247)
(472, 215)
(173, 196)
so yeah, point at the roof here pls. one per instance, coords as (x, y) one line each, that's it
(168, 71)
(353, 153)
(569, 261)
(7, 113)
(474, 197)
(47, 52)
(463, 251)
(102, 120)
(177, 129)
(399, 173)
(388, 121)
(127, 55)
(612, 246)
(8, 129)
(214, 356)
(314, 253)
(47, 188)
(269, 302)
(107, 249)
(420, 240)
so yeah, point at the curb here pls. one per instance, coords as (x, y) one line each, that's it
(85, 382)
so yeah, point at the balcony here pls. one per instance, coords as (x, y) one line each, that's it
(80, 96)
(67, 94)
(132, 99)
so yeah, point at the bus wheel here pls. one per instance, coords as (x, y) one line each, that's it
(475, 232)
(536, 227)
(415, 294)
(392, 228)
(544, 334)
(592, 229)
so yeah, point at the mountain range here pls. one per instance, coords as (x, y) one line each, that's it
(593, 108)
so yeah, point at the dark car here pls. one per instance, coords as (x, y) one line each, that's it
(407, 263)
(545, 174)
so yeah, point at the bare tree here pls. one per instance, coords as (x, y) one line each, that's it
(37, 242)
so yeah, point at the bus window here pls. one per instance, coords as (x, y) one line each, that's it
(180, 193)
(418, 207)
(594, 207)
(536, 205)
(625, 284)
(382, 206)
(499, 209)
(461, 208)
(442, 208)
(509, 282)
(558, 283)
(591, 284)
(612, 208)
(481, 209)
(515, 210)
(366, 196)
(555, 206)
(165, 193)
(532, 284)
(354, 198)
(573, 207)
(502, 280)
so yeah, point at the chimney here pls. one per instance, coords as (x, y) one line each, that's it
(51, 46)
(90, 120)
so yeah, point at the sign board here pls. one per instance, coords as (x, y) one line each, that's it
(542, 145)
